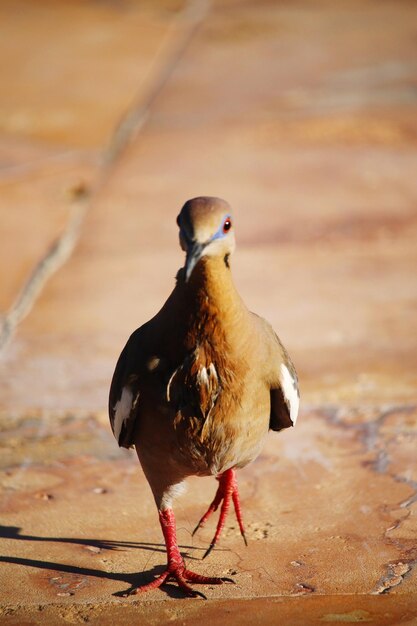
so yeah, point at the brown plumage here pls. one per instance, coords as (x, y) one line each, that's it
(197, 388)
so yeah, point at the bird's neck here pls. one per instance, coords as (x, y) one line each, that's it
(212, 280)
(210, 297)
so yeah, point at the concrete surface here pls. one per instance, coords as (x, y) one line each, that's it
(304, 116)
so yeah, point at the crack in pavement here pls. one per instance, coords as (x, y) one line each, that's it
(187, 21)
(55, 257)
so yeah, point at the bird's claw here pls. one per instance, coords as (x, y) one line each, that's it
(209, 549)
(230, 581)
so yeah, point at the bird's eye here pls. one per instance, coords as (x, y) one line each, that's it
(227, 225)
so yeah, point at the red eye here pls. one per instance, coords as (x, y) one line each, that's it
(227, 225)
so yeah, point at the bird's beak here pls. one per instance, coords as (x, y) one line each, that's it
(194, 254)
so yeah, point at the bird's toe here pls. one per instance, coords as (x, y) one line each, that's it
(199, 579)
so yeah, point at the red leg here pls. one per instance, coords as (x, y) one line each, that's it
(227, 491)
(176, 568)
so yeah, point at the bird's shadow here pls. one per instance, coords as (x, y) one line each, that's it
(134, 580)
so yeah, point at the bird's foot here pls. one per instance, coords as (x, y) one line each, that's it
(227, 491)
(183, 576)
(176, 567)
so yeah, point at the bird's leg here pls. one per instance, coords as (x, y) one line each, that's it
(227, 491)
(176, 567)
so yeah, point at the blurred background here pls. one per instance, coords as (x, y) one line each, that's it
(303, 115)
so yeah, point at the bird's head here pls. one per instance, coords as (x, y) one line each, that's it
(206, 230)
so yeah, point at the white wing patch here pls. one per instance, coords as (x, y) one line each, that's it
(212, 372)
(205, 375)
(122, 410)
(289, 387)
(202, 376)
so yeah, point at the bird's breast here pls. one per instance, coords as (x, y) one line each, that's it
(212, 430)
(194, 386)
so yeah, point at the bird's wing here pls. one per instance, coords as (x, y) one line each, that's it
(283, 381)
(285, 397)
(124, 390)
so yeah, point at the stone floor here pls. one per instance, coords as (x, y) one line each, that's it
(304, 116)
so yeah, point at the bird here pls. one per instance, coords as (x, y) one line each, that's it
(197, 388)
